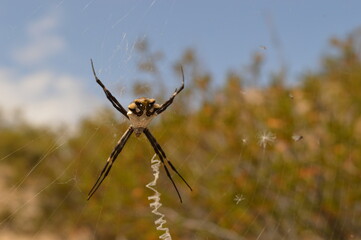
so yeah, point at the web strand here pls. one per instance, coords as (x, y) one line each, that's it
(155, 204)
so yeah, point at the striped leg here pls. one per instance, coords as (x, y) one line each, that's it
(113, 156)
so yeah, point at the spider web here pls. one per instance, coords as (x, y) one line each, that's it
(155, 200)
(28, 191)
(238, 173)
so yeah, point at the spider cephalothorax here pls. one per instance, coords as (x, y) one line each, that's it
(143, 105)
(141, 112)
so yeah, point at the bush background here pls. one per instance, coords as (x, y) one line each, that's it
(292, 188)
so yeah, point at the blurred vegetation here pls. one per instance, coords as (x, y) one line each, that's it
(301, 181)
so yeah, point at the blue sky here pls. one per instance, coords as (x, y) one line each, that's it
(46, 45)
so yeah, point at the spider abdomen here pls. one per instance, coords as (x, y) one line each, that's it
(139, 123)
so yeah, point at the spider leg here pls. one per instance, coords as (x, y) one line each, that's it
(159, 151)
(165, 105)
(162, 160)
(111, 98)
(113, 156)
(164, 156)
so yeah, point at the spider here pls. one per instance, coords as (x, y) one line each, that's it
(140, 112)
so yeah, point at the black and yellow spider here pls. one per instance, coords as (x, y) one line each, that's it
(141, 112)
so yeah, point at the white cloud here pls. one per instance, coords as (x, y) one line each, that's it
(45, 98)
(43, 41)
